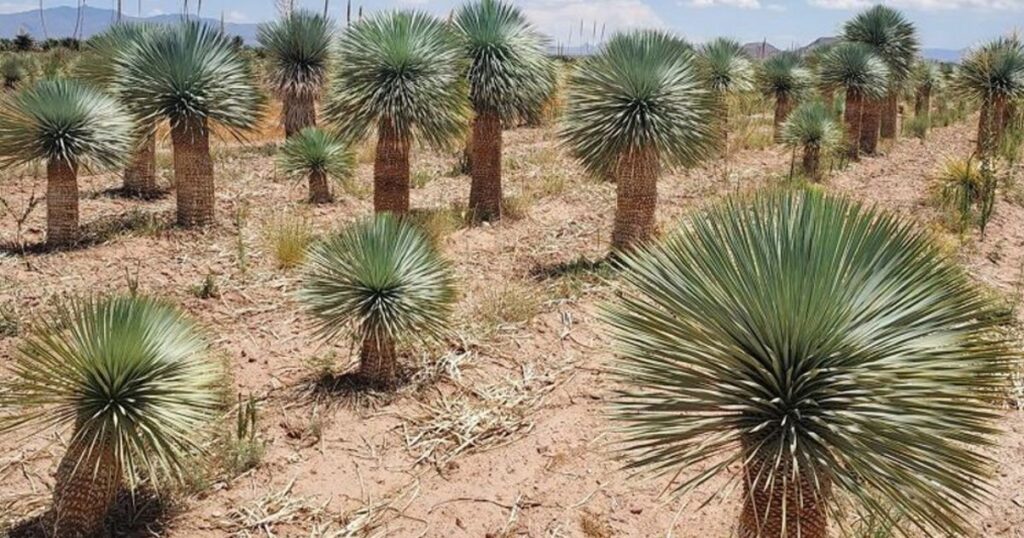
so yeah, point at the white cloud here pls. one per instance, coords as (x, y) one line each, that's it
(235, 16)
(742, 4)
(924, 5)
(556, 17)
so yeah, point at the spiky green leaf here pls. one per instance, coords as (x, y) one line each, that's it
(315, 150)
(854, 66)
(298, 47)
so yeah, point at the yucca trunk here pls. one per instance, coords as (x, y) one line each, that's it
(889, 119)
(871, 114)
(636, 198)
(61, 202)
(84, 491)
(378, 361)
(853, 113)
(140, 174)
(991, 124)
(485, 168)
(783, 106)
(811, 163)
(319, 189)
(828, 95)
(193, 173)
(391, 171)
(923, 102)
(722, 125)
(788, 507)
(298, 111)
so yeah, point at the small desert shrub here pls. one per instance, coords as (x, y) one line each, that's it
(10, 322)
(420, 178)
(288, 237)
(244, 450)
(551, 182)
(515, 208)
(438, 223)
(917, 127)
(207, 289)
(959, 189)
(508, 304)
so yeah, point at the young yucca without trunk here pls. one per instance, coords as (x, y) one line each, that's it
(318, 156)
(812, 129)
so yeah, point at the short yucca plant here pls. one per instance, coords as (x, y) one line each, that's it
(129, 380)
(14, 71)
(828, 350)
(318, 156)
(727, 70)
(812, 129)
(637, 106)
(992, 75)
(960, 186)
(66, 125)
(298, 48)
(510, 77)
(382, 281)
(400, 73)
(783, 78)
(863, 76)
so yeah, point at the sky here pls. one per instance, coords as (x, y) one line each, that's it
(952, 24)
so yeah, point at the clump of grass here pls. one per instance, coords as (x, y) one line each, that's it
(917, 127)
(438, 223)
(420, 178)
(288, 237)
(507, 305)
(207, 289)
(550, 183)
(241, 218)
(515, 207)
(245, 449)
(10, 321)
(959, 188)
(594, 526)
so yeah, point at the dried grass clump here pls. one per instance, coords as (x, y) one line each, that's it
(288, 237)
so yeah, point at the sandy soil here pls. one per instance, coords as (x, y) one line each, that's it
(525, 358)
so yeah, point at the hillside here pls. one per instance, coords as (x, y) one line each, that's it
(62, 22)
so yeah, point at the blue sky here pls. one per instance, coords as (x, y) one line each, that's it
(784, 23)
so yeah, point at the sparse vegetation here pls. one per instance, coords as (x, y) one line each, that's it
(288, 237)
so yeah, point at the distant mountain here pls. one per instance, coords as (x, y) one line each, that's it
(760, 51)
(942, 55)
(755, 50)
(62, 21)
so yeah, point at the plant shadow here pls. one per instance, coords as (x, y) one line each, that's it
(138, 514)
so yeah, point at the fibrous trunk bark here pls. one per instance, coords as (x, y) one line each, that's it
(391, 170)
(140, 174)
(791, 506)
(378, 361)
(889, 119)
(852, 117)
(319, 188)
(636, 198)
(87, 481)
(485, 168)
(871, 110)
(923, 102)
(193, 173)
(722, 125)
(811, 163)
(783, 106)
(61, 202)
(991, 125)
(298, 111)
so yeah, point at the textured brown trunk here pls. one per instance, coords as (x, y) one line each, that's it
(319, 189)
(890, 116)
(991, 124)
(791, 507)
(828, 95)
(84, 491)
(923, 102)
(61, 202)
(852, 116)
(722, 126)
(140, 174)
(193, 174)
(485, 168)
(297, 113)
(869, 125)
(811, 163)
(636, 198)
(783, 106)
(378, 362)
(391, 171)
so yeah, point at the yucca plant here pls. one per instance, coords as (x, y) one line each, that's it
(128, 378)
(318, 156)
(382, 281)
(66, 125)
(298, 49)
(993, 75)
(926, 81)
(97, 68)
(830, 351)
(854, 68)
(726, 69)
(402, 73)
(510, 78)
(811, 129)
(193, 77)
(13, 71)
(894, 39)
(633, 108)
(783, 78)
(960, 187)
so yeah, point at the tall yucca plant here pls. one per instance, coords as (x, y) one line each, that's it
(854, 68)
(66, 125)
(636, 106)
(129, 378)
(811, 129)
(727, 70)
(510, 78)
(926, 81)
(96, 67)
(829, 350)
(382, 281)
(192, 76)
(894, 39)
(298, 48)
(401, 73)
(783, 78)
(993, 75)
